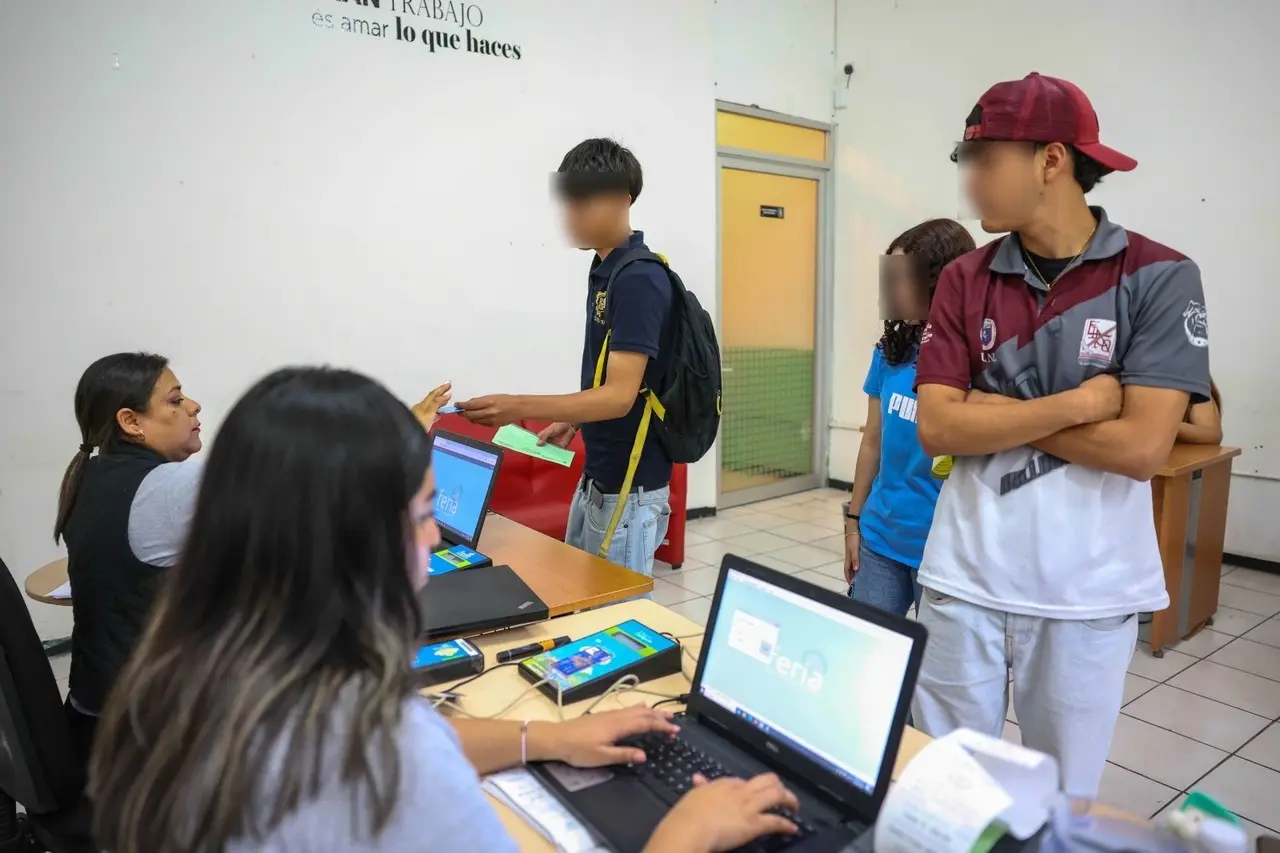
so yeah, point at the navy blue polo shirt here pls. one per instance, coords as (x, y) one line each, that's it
(639, 311)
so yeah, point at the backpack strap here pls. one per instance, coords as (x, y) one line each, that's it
(652, 405)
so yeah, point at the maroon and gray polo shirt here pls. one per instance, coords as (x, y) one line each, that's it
(1023, 531)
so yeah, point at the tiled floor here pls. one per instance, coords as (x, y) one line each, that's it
(1205, 717)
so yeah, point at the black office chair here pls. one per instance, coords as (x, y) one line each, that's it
(38, 765)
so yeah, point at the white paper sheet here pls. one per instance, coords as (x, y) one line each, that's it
(63, 592)
(521, 791)
(1030, 777)
(941, 804)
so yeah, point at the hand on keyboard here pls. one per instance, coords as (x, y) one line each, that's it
(724, 814)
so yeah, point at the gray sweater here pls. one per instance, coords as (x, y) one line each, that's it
(441, 805)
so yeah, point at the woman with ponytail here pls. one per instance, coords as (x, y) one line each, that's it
(126, 502)
(894, 489)
(125, 510)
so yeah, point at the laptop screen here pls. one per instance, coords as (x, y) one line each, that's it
(814, 678)
(464, 475)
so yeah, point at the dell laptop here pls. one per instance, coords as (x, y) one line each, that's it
(793, 679)
(466, 471)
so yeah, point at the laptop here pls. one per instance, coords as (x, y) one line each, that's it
(477, 601)
(466, 471)
(793, 679)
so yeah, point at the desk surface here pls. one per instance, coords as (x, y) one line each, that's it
(1185, 458)
(500, 688)
(567, 579)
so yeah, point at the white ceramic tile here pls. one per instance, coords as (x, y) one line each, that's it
(1247, 789)
(1012, 733)
(759, 542)
(812, 513)
(1251, 657)
(1159, 669)
(1010, 713)
(697, 581)
(1164, 756)
(1228, 620)
(1255, 580)
(1202, 644)
(835, 570)
(804, 532)
(693, 538)
(667, 593)
(712, 553)
(738, 513)
(717, 528)
(61, 667)
(695, 610)
(834, 544)
(1265, 748)
(771, 561)
(1268, 633)
(1231, 687)
(824, 581)
(1197, 717)
(1133, 793)
(804, 556)
(1248, 600)
(1135, 686)
(767, 521)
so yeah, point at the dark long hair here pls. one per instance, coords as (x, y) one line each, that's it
(124, 380)
(929, 247)
(291, 601)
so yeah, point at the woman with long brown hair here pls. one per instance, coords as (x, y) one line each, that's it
(270, 704)
(894, 489)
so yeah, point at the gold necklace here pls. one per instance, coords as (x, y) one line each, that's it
(1049, 284)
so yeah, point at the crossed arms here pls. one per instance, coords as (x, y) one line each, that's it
(1100, 425)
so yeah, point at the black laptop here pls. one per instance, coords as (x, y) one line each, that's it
(477, 601)
(466, 471)
(793, 679)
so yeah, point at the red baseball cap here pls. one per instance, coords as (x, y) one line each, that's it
(1042, 109)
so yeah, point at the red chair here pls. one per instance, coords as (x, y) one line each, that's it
(537, 494)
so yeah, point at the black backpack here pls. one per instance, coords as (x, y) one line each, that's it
(687, 405)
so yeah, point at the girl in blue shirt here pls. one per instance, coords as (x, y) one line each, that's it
(894, 489)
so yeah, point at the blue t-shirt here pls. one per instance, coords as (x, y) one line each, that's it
(638, 312)
(896, 517)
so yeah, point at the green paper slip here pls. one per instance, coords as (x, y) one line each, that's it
(521, 440)
(987, 840)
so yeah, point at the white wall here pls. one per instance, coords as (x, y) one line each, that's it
(248, 190)
(1186, 87)
(776, 55)
(238, 188)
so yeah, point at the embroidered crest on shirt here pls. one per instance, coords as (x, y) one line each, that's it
(1195, 322)
(599, 307)
(988, 334)
(1098, 342)
(927, 334)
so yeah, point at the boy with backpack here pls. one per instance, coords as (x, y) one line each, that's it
(650, 369)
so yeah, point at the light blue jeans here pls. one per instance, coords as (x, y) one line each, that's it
(1068, 680)
(884, 583)
(640, 530)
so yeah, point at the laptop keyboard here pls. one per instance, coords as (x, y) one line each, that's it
(670, 764)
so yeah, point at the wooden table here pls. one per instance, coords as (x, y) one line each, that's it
(566, 579)
(502, 687)
(1189, 496)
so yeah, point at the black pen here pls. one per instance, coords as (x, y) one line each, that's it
(531, 649)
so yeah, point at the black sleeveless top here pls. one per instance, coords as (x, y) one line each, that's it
(112, 590)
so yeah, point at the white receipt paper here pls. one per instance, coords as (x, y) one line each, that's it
(960, 784)
(62, 592)
(522, 792)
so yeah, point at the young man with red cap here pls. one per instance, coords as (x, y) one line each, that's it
(1056, 366)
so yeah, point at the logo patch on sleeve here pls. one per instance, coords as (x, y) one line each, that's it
(1195, 322)
(987, 336)
(1098, 343)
